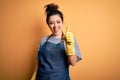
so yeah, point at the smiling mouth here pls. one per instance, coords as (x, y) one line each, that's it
(55, 30)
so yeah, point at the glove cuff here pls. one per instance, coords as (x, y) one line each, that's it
(70, 51)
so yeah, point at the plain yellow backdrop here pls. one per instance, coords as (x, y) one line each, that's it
(95, 24)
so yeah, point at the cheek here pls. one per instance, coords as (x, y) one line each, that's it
(60, 26)
(51, 28)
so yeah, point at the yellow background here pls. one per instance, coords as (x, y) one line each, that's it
(95, 24)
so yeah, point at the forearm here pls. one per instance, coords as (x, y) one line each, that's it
(72, 59)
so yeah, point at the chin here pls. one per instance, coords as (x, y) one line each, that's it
(57, 33)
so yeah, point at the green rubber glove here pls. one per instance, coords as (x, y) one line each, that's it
(69, 39)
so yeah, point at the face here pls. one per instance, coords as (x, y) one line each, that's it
(55, 24)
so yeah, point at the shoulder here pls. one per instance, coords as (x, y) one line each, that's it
(43, 40)
(75, 39)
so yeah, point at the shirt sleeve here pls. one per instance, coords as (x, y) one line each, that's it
(77, 50)
(41, 42)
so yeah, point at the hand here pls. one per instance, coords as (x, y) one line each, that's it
(69, 39)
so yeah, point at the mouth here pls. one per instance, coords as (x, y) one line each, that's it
(55, 30)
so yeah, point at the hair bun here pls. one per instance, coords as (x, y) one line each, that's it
(51, 7)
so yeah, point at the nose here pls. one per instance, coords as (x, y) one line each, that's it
(55, 24)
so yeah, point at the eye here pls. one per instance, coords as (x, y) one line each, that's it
(58, 22)
(50, 23)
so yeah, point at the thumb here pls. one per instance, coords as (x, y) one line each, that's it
(67, 29)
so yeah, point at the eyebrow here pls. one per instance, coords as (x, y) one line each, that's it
(54, 21)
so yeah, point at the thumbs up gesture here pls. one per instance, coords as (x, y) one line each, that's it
(69, 39)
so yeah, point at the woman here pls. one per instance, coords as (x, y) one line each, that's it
(56, 51)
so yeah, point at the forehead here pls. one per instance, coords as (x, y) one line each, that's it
(55, 17)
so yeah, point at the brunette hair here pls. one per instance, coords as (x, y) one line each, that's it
(52, 9)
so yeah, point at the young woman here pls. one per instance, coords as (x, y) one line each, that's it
(56, 51)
